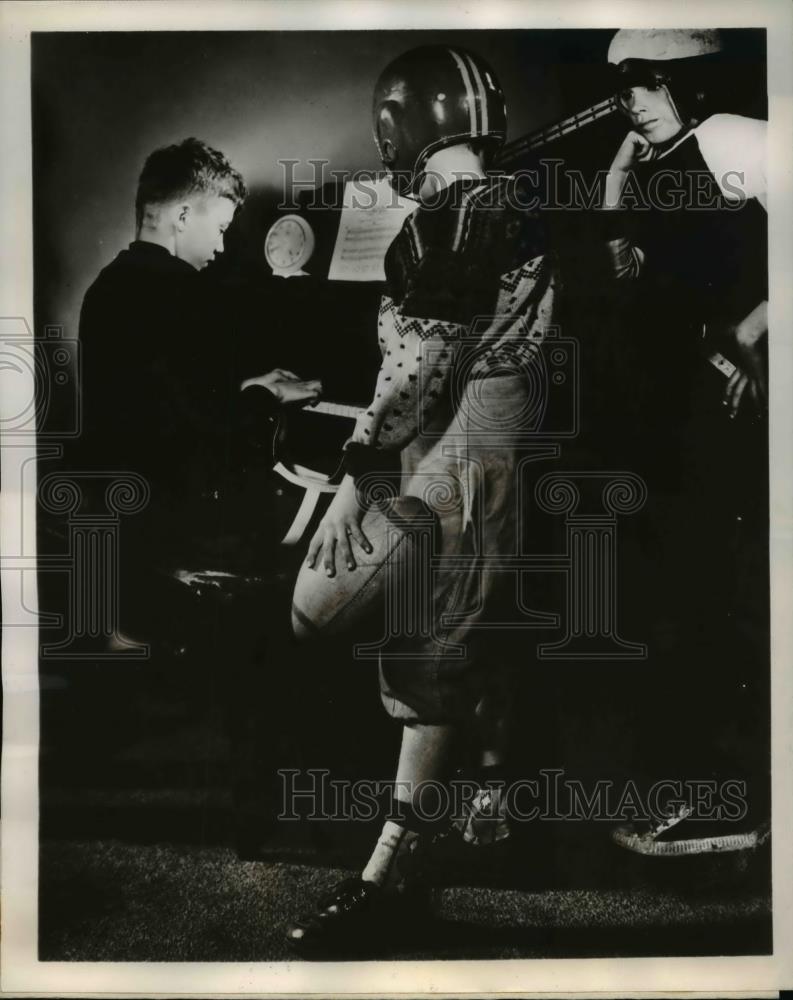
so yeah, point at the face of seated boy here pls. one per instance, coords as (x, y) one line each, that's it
(199, 224)
(651, 112)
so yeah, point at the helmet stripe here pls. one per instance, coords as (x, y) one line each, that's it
(469, 90)
(482, 92)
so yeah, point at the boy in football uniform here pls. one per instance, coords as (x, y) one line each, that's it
(471, 291)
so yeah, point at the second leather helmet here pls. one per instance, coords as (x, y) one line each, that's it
(684, 61)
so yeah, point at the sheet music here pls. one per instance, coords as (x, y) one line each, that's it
(372, 215)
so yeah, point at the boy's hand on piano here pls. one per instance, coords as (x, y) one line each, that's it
(286, 386)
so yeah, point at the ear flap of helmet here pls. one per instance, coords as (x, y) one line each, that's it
(390, 138)
(387, 130)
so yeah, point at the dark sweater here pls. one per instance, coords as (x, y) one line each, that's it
(160, 394)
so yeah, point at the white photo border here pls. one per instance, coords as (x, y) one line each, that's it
(21, 970)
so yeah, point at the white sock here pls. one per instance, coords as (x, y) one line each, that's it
(390, 861)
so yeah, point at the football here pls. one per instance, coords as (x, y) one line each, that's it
(331, 605)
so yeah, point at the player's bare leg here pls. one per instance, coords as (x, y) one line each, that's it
(423, 757)
(383, 896)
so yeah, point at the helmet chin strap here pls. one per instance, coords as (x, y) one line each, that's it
(672, 104)
(662, 147)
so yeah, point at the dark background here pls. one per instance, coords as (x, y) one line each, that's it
(140, 751)
(102, 103)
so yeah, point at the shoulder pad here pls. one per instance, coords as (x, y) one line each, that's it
(735, 148)
(446, 262)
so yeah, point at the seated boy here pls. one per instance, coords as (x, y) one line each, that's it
(160, 390)
(162, 396)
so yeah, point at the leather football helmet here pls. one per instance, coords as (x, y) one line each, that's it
(682, 60)
(430, 98)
